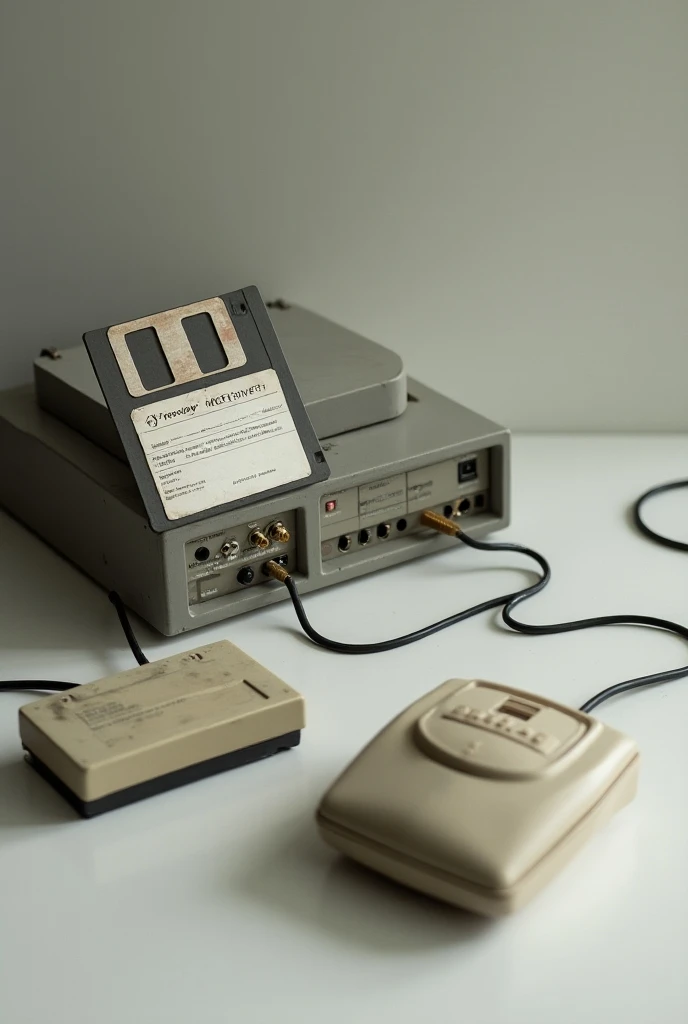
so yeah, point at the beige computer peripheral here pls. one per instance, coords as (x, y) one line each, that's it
(478, 794)
(158, 726)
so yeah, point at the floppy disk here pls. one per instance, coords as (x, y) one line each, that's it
(207, 409)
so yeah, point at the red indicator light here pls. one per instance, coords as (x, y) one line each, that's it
(330, 505)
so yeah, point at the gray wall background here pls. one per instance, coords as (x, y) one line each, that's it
(496, 189)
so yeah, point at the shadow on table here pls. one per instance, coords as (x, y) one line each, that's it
(27, 800)
(302, 878)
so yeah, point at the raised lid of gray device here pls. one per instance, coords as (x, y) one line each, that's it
(345, 381)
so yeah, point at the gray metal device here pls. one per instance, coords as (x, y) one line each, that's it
(394, 448)
(346, 382)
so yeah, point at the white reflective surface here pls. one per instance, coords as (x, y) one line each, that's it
(217, 902)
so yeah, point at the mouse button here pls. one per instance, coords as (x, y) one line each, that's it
(549, 730)
(466, 746)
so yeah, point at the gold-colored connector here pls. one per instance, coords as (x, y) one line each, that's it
(279, 533)
(440, 523)
(277, 571)
(258, 539)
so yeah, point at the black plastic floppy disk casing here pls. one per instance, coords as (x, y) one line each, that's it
(206, 408)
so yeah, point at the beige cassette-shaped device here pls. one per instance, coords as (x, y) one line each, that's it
(478, 794)
(149, 729)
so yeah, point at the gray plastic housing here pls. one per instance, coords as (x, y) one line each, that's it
(95, 516)
(345, 381)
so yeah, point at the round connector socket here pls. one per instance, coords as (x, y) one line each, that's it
(279, 533)
(202, 554)
(246, 575)
(384, 530)
(344, 542)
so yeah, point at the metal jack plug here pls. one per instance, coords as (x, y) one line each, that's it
(440, 523)
(276, 571)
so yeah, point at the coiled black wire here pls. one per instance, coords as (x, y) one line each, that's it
(508, 602)
(658, 538)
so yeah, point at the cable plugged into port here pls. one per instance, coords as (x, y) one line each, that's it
(440, 523)
(276, 569)
(507, 602)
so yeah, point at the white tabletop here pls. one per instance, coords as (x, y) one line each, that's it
(217, 902)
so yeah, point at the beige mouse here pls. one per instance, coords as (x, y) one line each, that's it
(478, 794)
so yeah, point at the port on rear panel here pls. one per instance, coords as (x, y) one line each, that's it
(468, 470)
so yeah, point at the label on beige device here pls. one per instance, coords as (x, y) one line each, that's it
(220, 444)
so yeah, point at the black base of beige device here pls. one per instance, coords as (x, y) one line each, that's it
(159, 726)
(393, 446)
(180, 777)
(478, 794)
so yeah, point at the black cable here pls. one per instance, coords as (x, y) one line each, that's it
(419, 634)
(508, 602)
(126, 626)
(54, 685)
(658, 538)
(589, 623)
(36, 684)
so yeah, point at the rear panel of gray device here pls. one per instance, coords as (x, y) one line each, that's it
(437, 455)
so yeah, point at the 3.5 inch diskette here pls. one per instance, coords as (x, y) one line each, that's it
(206, 407)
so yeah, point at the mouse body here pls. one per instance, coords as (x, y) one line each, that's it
(478, 794)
